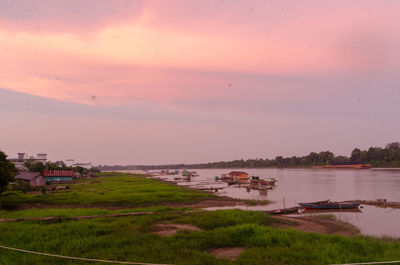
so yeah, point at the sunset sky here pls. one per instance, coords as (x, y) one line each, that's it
(186, 81)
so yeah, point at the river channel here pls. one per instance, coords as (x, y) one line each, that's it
(307, 185)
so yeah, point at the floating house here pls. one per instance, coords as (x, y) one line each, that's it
(34, 178)
(239, 176)
(58, 175)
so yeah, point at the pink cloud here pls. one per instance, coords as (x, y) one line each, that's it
(171, 51)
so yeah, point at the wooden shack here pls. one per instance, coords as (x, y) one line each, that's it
(239, 176)
(33, 178)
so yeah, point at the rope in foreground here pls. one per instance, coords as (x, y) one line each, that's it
(143, 263)
(369, 263)
(77, 258)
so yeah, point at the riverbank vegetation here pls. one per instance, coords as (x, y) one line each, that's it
(261, 239)
(134, 239)
(389, 156)
(111, 190)
(7, 171)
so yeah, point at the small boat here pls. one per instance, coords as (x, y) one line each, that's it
(225, 177)
(232, 182)
(328, 205)
(270, 181)
(261, 184)
(284, 211)
(349, 210)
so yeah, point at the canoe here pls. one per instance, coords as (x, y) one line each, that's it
(329, 205)
(284, 211)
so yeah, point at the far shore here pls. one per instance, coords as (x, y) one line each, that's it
(244, 168)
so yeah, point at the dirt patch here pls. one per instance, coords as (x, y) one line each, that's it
(216, 203)
(228, 253)
(171, 229)
(317, 225)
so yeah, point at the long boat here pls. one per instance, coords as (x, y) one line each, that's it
(328, 205)
(350, 166)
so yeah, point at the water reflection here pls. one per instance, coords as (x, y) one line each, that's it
(296, 185)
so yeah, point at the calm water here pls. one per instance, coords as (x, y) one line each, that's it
(297, 185)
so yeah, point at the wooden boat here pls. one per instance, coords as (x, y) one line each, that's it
(349, 210)
(284, 211)
(270, 181)
(261, 184)
(328, 205)
(232, 182)
(225, 177)
(349, 166)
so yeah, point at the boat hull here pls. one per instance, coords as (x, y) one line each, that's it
(311, 206)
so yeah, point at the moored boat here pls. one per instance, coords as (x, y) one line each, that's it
(328, 205)
(258, 183)
(345, 166)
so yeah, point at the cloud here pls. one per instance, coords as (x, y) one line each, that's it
(67, 16)
(210, 53)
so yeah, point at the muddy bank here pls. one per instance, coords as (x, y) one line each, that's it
(227, 253)
(168, 229)
(317, 224)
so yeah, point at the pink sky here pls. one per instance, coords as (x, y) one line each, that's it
(194, 71)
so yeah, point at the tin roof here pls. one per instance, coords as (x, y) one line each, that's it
(236, 173)
(58, 173)
(27, 176)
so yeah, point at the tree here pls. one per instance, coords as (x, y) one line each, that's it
(37, 167)
(356, 156)
(81, 170)
(7, 171)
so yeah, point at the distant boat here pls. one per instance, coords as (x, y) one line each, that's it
(349, 166)
(328, 205)
(261, 184)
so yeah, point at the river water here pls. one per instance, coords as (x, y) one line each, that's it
(307, 185)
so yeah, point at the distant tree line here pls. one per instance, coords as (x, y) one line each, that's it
(388, 156)
(7, 171)
(33, 166)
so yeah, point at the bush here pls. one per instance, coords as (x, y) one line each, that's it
(10, 200)
(23, 186)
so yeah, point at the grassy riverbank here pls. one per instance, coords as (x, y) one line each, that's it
(111, 190)
(134, 238)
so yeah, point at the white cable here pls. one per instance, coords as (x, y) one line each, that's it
(77, 258)
(366, 263)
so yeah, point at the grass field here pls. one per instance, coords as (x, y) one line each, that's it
(118, 189)
(132, 238)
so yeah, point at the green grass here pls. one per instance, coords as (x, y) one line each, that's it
(327, 216)
(71, 212)
(130, 239)
(117, 189)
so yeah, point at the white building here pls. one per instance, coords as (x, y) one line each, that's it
(69, 162)
(84, 165)
(23, 157)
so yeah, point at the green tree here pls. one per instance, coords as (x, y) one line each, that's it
(81, 170)
(7, 171)
(37, 167)
(356, 156)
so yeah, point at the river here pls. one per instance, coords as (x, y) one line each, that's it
(306, 185)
